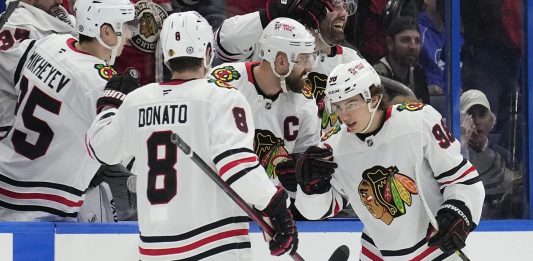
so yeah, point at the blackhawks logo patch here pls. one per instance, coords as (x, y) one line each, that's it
(150, 16)
(307, 90)
(105, 71)
(315, 87)
(411, 106)
(385, 192)
(331, 132)
(224, 75)
(270, 150)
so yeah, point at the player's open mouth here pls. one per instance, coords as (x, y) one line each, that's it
(339, 26)
(351, 126)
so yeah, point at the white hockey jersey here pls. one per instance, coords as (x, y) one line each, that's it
(237, 40)
(183, 215)
(377, 177)
(26, 22)
(44, 164)
(284, 124)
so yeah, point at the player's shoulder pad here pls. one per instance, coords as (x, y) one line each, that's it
(104, 71)
(349, 54)
(410, 106)
(226, 74)
(333, 132)
(415, 113)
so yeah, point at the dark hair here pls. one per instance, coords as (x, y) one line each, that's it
(401, 24)
(185, 64)
(379, 90)
(84, 38)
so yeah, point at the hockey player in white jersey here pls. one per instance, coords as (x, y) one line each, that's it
(238, 37)
(399, 168)
(183, 214)
(44, 164)
(32, 19)
(285, 121)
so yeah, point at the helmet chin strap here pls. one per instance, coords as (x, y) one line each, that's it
(373, 113)
(323, 40)
(114, 49)
(282, 81)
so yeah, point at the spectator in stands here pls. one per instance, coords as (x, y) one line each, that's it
(492, 50)
(433, 36)
(401, 62)
(502, 199)
(373, 18)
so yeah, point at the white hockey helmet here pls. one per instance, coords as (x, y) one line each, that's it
(186, 34)
(350, 79)
(288, 36)
(92, 14)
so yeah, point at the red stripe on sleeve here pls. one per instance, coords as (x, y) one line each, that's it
(468, 171)
(369, 254)
(233, 164)
(424, 254)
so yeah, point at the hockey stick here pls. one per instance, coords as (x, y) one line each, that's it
(432, 218)
(175, 138)
(9, 10)
(396, 86)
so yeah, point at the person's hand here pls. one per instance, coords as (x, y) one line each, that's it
(117, 88)
(455, 223)
(285, 238)
(467, 128)
(435, 90)
(314, 169)
(307, 12)
(286, 173)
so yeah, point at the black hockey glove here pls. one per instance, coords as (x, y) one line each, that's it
(286, 237)
(307, 12)
(117, 88)
(392, 11)
(314, 169)
(106, 172)
(455, 223)
(286, 172)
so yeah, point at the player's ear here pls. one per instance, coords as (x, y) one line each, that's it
(281, 63)
(107, 33)
(208, 53)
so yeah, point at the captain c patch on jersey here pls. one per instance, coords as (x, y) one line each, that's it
(385, 192)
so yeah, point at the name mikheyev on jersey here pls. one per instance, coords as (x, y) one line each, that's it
(54, 78)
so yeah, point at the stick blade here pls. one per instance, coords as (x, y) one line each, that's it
(342, 253)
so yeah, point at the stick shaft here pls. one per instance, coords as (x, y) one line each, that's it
(226, 188)
(431, 217)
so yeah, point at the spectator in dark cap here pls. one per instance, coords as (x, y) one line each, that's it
(401, 62)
